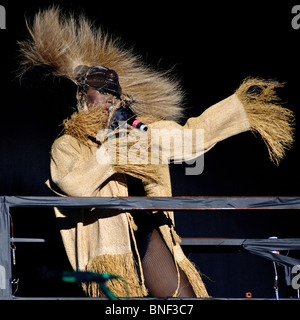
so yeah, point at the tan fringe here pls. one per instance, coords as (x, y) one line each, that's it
(121, 265)
(194, 278)
(85, 124)
(147, 172)
(266, 116)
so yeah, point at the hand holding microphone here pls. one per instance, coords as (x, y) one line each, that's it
(125, 115)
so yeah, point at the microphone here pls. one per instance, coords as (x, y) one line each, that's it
(125, 115)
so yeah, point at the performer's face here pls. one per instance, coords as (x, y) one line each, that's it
(102, 100)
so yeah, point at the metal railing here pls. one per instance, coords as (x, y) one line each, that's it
(146, 203)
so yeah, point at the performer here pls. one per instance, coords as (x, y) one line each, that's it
(142, 247)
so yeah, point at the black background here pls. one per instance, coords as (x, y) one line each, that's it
(213, 46)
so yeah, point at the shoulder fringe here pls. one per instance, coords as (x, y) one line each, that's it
(85, 124)
(62, 42)
(266, 116)
(121, 265)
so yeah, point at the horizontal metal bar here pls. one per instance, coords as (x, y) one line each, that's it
(159, 203)
(39, 240)
(211, 242)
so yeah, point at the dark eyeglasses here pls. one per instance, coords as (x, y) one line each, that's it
(104, 92)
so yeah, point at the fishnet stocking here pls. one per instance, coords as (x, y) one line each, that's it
(160, 271)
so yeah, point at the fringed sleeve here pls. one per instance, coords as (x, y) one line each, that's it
(266, 116)
(253, 107)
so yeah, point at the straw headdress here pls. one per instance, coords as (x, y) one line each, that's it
(63, 42)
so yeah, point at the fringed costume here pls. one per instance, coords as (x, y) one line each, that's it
(105, 240)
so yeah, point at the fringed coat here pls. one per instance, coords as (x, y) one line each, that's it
(103, 240)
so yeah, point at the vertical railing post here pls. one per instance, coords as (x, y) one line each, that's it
(5, 255)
